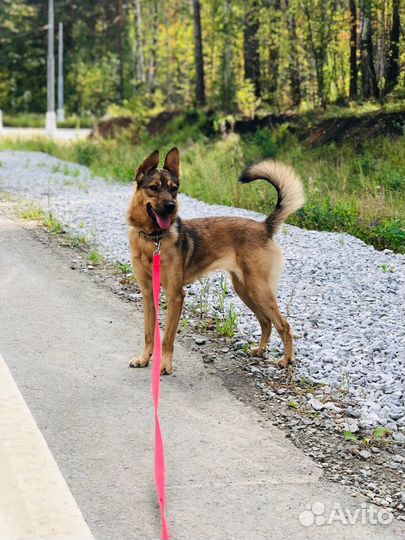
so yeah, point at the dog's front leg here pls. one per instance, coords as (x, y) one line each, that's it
(149, 323)
(175, 300)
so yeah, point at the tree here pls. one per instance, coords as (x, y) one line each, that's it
(139, 56)
(153, 63)
(293, 60)
(251, 44)
(119, 21)
(319, 28)
(392, 70)
(368, 75)
(226, 78)
(353, 49)
(199, 56)
(274, 50)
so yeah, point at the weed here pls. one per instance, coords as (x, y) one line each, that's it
(225, 319)
(293, 404)
(78, 241)
(5, 196)
(349, 436)
(95, 257)
(225, 325)
(124, 268)
(200, 305)
(185, 323)
(52, 224)
(378, 436)
(31, 212)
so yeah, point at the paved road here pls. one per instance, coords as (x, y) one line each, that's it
(65, 134)
(67, 343)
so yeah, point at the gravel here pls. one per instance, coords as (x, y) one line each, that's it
(344, 299)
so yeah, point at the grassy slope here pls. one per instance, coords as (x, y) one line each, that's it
(360, 193)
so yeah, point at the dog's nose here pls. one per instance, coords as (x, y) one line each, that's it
(169, 206)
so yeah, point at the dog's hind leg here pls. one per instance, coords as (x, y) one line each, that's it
(262, 296)
(175, 298)
(265, 323)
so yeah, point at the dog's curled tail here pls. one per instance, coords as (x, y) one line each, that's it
(288, 185)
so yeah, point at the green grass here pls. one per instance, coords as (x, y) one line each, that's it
(32, 212)
(95, 257)
(124, 268)
(35, 120)
(361, 192)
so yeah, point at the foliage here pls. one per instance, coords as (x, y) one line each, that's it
(246, 99)
(116, 53)
(95, 84)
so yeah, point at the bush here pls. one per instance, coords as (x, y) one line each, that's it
(389, 234)
(86, 153)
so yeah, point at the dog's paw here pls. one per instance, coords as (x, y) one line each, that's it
(166, 370)
(283, 362)
(258, 352)
(167, 365)
(139, 362)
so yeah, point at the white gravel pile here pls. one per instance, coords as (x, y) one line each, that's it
(344, 299)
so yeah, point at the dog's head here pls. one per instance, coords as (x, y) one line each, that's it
(154, 203)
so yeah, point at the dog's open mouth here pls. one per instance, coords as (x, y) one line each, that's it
(163, 222)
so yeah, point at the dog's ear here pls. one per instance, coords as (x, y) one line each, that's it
(148, 165)
(172, 162)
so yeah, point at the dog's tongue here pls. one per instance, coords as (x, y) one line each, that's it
(163, 222)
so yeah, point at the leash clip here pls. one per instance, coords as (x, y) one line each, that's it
(157, 250)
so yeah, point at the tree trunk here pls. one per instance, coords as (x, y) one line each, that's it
(274, 53)
(120, 48)
(251, 44)
(318, 50)
(227, 86)
(368, 75)
(353, 50)
(293, 65)
(199, 56)
(392, 72)
(152, 64)
(140, 59)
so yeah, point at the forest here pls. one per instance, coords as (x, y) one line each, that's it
(227, 55)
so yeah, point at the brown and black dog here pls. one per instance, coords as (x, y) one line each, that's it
(192, 248)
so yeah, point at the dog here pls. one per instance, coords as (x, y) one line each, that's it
(193, 248)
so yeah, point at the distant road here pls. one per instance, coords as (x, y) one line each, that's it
(65, 134)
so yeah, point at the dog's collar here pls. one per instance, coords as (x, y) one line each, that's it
(154, 236)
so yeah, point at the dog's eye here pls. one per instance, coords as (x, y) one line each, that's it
(173, 189)
(154, 188)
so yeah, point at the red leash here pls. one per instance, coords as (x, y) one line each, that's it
(157, 361)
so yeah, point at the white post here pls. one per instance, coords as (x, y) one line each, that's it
(50, 124)
(60, 113)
